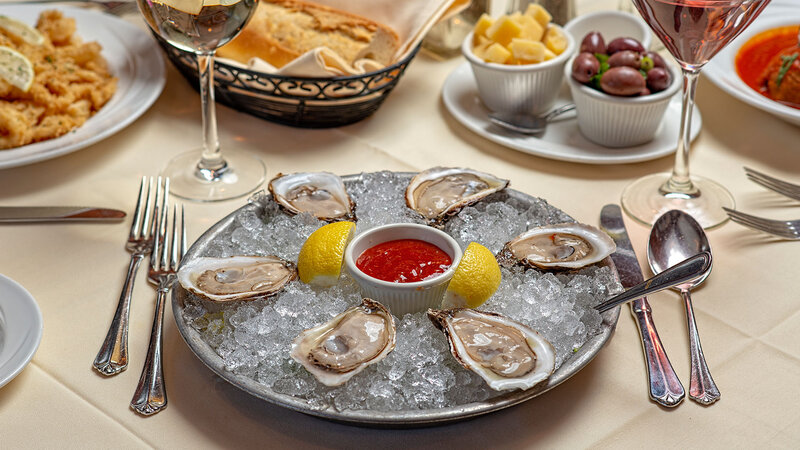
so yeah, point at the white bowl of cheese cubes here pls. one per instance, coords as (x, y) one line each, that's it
(518, 60)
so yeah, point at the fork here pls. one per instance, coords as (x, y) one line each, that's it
(113, 355)
(150, 396)
(787, 229)
(781, 187)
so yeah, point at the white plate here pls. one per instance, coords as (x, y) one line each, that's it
(722, 71)
(133, 57)
(562, 140)
(20, 328)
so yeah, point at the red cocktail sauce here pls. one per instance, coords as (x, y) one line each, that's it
(403, 261)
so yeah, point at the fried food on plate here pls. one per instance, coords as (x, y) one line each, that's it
(71, 83)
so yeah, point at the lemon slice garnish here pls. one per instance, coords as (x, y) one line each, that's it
(16, 68)
(320, 260)
(476, 278)
(24, 31)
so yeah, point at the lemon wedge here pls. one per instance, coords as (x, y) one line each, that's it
(16, 68)
(476, 278)
(321, 257)
(24, 31)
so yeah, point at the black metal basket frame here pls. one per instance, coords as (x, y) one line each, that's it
(308, 102)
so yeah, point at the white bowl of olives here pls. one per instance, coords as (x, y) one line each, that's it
(621, 91)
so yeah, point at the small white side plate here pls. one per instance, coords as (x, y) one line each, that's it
(20, 328)
(562, 140)
(722, 69)
(133, 57)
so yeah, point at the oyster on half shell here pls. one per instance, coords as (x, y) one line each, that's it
(322, 194)
(562, 245)
(441, 192)
(236, 277)
(505, 353)
(338, 349)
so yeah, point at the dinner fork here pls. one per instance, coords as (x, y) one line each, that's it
(787, 229)
(113, 355)
(151, 395)
(781, 187)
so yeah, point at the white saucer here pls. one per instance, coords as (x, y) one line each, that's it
(562, 140)
(20, 328)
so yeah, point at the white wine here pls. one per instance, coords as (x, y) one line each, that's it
(198, 26)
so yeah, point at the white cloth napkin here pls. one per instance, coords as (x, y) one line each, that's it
(410, 19)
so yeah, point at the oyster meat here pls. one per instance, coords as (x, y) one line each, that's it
(505, 353)
(563, 245)
(441, 192)
(236, 277)
(322, 194)
(338, 349)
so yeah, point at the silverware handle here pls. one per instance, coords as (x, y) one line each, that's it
(665, 387)
(150, 396)
(680, 273)
(113, 355)
(557, 112)
(702, 388)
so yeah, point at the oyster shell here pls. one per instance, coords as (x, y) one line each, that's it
(563, 245)
(441, 192)
(505, 353)
(338, 349)
(322, 194)
(236, 277)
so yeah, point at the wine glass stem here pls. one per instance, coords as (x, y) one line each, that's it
(211, 165)
(679, 184)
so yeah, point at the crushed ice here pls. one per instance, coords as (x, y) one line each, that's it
(254, 338)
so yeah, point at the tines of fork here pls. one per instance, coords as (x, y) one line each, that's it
(151, 395)
(781, 187)
(786, 229)
(113, 355)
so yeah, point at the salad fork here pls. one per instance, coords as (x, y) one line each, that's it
(786, 229)
(781, 187)
(150, 396)
(113, 355)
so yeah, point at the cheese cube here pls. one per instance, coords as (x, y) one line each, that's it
(531, 29)
(539, 14)
(548, 54)
(496, 53)
(503, 30)
(483, 24)
(481, 45)
(555, 40)
(527, 50)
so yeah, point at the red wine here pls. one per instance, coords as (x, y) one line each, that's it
(695, 30)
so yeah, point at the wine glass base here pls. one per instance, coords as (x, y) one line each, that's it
(243, 175)
(644, 202)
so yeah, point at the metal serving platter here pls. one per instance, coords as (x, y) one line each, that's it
(382, 419)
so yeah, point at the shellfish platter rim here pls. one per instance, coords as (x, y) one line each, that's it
(393, 419)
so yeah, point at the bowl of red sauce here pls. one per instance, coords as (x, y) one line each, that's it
(405, 266)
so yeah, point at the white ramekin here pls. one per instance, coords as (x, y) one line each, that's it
(614, 121)
(611, 24)
(530, 88)
(403, 298)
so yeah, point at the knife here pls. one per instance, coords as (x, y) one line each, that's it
(665, 387)
(12, 214)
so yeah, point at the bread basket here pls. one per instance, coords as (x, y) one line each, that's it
(295, 101)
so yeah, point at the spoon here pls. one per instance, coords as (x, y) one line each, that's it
(526, 123)
(693, 267)
(674, 237)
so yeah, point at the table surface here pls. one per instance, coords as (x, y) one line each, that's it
(748, 312)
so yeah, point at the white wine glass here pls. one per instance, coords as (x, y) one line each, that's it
(201, 27)
(693, 31)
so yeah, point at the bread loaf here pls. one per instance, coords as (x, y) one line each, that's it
(282, 30)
